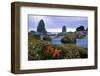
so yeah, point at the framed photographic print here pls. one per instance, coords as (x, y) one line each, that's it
(52, 37)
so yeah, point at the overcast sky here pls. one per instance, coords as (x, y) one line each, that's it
(55, 23)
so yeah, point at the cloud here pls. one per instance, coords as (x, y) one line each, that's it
(56, 22)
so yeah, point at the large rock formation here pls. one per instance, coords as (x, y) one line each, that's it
(64, 29)
(41, 27)
(70, 37)
(81, 28)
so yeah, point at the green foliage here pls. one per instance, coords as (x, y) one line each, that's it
(69, 38)
(32, 35)
(38, 49)
(83, 52)
(47, 38)
(80, 34)
(72, 51)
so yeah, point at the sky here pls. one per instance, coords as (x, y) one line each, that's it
(55, 23)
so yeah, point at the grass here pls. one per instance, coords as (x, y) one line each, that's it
(44, 50)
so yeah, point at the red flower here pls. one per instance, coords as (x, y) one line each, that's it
(56, 53)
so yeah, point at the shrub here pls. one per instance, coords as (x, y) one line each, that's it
(69, 38)
(36, 36)
(33, 35)
(47, 38)
(80, 34)
(83, 52)
(71, 51)
(37, 52)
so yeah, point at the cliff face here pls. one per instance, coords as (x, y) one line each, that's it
(41, 27)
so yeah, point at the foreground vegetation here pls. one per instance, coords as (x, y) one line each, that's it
(43, 50)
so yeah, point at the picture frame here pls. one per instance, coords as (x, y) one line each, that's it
(20, 12)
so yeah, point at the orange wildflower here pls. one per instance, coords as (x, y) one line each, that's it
(56, 53)
(50, 49)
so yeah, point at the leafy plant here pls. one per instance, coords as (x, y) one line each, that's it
(47, 38)
(69, 38)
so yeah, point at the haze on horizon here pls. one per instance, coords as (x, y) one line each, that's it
(55, 23)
